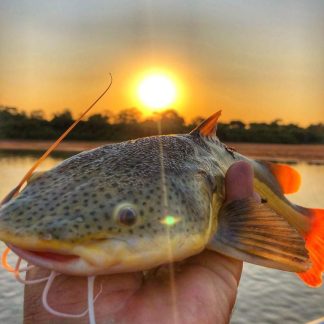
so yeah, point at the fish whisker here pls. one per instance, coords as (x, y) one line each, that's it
(4, 261)
(23, 281)
(8, 267)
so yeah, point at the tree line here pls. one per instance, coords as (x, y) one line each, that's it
(128, 124)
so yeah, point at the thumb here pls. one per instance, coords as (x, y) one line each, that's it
(239, 182)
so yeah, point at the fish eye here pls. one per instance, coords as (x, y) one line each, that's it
(127, 216)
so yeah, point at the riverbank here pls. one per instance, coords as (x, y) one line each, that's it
(287, 153)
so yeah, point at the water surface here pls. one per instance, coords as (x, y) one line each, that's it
(265, 295)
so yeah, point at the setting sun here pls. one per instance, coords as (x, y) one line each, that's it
(157, 91)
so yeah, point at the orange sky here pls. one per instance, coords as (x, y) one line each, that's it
(255, 60)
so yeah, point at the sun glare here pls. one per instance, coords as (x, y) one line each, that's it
(157, 91)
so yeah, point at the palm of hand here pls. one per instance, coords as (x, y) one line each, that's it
(203, 290)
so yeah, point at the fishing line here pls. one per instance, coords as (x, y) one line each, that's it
(91, 280)
(24, 281)
(52, 311)
(47, 287)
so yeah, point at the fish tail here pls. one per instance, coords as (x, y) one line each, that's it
(272, 182)
(315, 246)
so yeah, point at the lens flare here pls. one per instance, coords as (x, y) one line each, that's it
(170, 220)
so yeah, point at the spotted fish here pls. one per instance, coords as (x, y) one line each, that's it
(138, 204)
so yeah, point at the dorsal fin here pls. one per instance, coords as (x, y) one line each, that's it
(288, 178)
(208, 127)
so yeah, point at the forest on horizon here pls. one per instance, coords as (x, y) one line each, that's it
(129, 124)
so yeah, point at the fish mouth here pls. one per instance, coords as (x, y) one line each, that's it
(79, 259)
(69, 264)
(110, 256)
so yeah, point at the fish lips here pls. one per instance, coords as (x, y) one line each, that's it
(113, 255)
(67, 264)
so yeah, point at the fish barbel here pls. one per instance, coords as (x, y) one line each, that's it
(138, 204)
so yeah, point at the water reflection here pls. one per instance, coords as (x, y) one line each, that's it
(265, 295)
(14, 165)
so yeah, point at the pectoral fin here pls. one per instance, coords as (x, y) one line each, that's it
(253, 232)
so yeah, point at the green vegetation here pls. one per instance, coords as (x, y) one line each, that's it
(127, 124)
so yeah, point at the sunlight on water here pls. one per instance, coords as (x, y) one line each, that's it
(312, 187)
(265, 295)
(13, 167)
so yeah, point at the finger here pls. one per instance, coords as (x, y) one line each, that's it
(214, 279)
(239, 182)
(238, 185)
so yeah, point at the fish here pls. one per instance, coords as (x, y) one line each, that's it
(139, 204)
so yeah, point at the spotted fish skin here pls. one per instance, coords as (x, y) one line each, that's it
(78, 200)
(136, 205)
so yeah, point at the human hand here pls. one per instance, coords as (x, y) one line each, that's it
(202, 289)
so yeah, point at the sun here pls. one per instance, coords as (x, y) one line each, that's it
(157, 91)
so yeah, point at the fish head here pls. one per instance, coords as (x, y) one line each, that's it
(120, 208)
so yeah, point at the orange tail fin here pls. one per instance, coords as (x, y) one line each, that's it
(315, 247)
(288, 178)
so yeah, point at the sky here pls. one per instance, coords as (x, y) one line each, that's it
(257, 60)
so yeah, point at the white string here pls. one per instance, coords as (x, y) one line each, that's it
(91, 280)
(25, 269)
(51, 278)
(24, 281)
